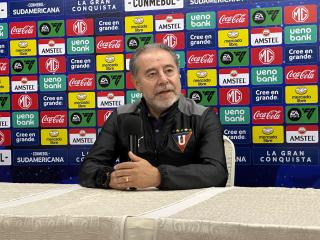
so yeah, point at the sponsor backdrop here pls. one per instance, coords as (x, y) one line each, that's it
(64, 69)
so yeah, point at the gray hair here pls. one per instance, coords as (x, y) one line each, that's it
(133, 61)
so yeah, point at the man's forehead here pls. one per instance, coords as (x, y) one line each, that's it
(155, 55)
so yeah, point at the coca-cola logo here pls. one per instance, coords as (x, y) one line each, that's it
(207, 58)
(28, 29)
(305, 74)
(84, 82)
(270, 115)
(53, 119)
(237, 18)
(112, 44)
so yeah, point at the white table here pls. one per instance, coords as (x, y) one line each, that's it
(56, 211)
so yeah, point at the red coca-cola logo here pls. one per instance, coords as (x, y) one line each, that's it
(237, 18)
(57, 119)
(233, 18)
(301, 74)
(267, 115)
(271, 115)
(81, 82)
(112, 44)
(23, 29)
(207, 58)
(108, 44)
(53, 118)
(84, 82)
(305, 74)
(28, 29)
(201, 58)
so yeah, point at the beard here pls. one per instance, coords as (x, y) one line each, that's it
(164, 98)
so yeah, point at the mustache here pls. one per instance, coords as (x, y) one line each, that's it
(165, 88)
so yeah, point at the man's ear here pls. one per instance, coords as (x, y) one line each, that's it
(136, 83)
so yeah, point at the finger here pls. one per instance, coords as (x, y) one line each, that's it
(123, 172)
(124, 165)
(133, 157)
(124, 182)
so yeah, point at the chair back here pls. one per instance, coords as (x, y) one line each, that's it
(230, 153)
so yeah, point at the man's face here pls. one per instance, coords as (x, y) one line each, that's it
(158, 79)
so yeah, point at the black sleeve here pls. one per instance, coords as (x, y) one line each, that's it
(101, 156)
(211, 170)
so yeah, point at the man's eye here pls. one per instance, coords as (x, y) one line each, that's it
(169, 70)
(150, 75)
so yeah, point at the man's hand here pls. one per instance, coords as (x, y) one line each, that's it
(138, 173)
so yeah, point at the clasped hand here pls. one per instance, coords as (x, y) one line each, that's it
(138, 173)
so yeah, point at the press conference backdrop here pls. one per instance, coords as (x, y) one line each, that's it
(64, 69)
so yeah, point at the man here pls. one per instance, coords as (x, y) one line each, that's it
(180, 142)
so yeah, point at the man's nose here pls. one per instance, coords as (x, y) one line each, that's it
(162, 77)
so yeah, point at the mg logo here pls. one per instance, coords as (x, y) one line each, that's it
(107, 115)
(24, 101)
(266, 56)
(234, 96)
(171, 40)
(52, 65)
(80, 27)
(300, 14)
(2, 138)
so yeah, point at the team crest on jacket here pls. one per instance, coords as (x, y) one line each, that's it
(181, 139)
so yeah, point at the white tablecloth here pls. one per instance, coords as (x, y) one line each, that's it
(53, 211)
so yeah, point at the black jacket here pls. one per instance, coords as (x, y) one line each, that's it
(186, 124)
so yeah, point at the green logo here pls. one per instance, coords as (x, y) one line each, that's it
(132, 96)
(4, 102)
(52, 28)
(25, 119)
(201, 20)
(110, 80)
(235, 115)
(80, 45)
(135, 41)
(233, 57)
(300, 34)
(181, 58)
(302, 114)
(267, 75)
(3, 30)
(53, 83)
(204, 96)
(266, 16)
(23, 65)
(82, 118)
